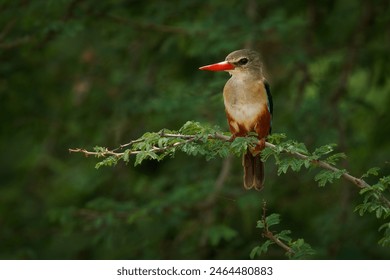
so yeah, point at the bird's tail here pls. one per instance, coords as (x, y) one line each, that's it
(253, 171)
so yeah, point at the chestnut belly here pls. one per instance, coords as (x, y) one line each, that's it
(248, 118)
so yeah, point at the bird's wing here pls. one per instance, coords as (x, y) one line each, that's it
(270, 104)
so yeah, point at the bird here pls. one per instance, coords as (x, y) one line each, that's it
(248, 107)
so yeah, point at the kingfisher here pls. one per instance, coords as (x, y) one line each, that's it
(248, 106)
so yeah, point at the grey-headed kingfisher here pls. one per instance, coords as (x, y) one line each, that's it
(248, 107)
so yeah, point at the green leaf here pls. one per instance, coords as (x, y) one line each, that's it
(323, 150)
(126, 155)
(328, 176)
(333, 159)
(385, 240)
(290, 162)
(276, 138)
(266, 153)
(151, 137)
(254, 252)
(162, 142)
(302, 250)
(284, 235)
(385, 226)
(272, 219)
(141, 156)
(260, 224)
(109, 161)
(371, 171)
(240, 145)
(301, 148)
(385, 181)
(258, 250)
(99, 149)
(191, 128)
(361, 209)
(378, 212)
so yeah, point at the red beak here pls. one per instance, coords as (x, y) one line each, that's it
(221, 66)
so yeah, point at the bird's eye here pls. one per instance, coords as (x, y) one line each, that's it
(243, 61)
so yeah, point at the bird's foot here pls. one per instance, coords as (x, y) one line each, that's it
(261, 144)
(259, 147)
(231, 139)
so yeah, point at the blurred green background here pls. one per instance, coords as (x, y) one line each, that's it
(77, 73)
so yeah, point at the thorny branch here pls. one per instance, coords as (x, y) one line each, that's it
(187, 138)
(190, 138)
(118, 152)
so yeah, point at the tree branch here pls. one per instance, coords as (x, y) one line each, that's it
(360, 183)
(356, 181)
(189, 138)
(107, 152)
(186, 138)
(268, 234)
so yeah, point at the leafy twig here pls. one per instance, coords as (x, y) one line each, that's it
(186, 138)
(268, 234)
(295, 249)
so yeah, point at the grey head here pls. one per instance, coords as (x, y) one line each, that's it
(245, 60)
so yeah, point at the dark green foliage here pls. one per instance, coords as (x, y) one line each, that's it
(295, 249)
(374, 202)
(210, 143)
(80, 74)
